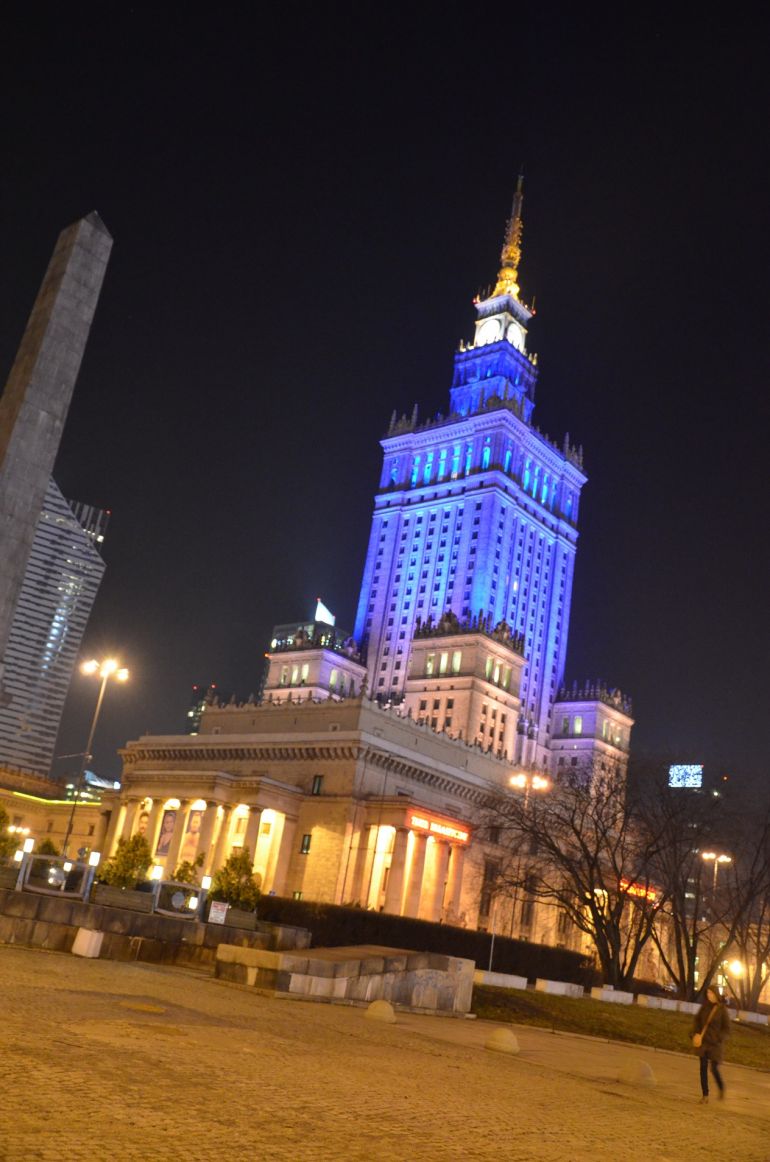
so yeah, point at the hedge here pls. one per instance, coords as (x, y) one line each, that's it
(333, 926)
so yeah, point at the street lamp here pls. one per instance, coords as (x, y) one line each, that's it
(530, 782)
(106, 669)
(527, 781)
(711, 856)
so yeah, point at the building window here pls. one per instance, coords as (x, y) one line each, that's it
(304, 847)
(577, 724)
(457, 658)
(296, 895)
(443, 663)
(318, 782)
(430, 663)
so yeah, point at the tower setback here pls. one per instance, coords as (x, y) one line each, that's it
(476, 515)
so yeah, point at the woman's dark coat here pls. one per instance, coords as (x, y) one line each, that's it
(717, 1032)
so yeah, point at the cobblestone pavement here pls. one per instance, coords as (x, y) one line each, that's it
(102, 1060)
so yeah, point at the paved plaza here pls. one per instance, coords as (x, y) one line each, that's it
(102, 1060)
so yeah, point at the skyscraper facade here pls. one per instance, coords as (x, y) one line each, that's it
(476, 515)
(63, 574)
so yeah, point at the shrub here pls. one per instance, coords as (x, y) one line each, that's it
(8, 843)
(47, 847)
(187, 872)
(129, 863)
(235, 884)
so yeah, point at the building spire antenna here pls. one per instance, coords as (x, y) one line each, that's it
(510, 256)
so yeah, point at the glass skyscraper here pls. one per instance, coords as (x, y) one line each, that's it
(477, 514)
(61, 581)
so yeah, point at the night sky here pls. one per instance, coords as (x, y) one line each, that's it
(303, 209)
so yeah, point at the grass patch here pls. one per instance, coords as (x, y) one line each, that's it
(747, 1045)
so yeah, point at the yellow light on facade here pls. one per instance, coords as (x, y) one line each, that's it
(198, 805)
(171, 805)
(242, 809)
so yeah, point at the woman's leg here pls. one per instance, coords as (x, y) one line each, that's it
(717, 1077)
(704, 1075)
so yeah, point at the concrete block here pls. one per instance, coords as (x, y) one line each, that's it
(752, 1018)
(687, 1007)
(559, 988)
(669, 1003)
(500, 980)
(612, 996)
(502, 1041)
(647, 1002)
(87, 943)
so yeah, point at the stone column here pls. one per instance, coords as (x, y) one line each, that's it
(100, 834)
(394, 894)
(153, 824)
(132, 811)
(416, 871)
(284, 856)
(177, 837)
(455, 885)
(206, 835)
(114, 830)
(252, 832)
(440, 865)
(220, 847)
(363, 865)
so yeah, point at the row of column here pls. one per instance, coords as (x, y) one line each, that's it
(411, 889)
(214, 836)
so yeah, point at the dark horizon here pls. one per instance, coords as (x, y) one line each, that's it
(301, 222)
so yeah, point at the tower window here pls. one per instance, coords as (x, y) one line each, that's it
(304, 846)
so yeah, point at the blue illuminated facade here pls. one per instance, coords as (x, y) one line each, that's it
(477, 513)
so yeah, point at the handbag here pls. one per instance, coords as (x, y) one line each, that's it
(697, 1038)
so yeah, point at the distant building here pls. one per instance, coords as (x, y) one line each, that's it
(63, 574)
(200, 698)
(363, 773)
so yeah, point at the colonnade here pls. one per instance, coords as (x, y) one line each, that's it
(406, 872)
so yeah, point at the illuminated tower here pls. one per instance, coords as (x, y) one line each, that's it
(63, 574)
(477, 514)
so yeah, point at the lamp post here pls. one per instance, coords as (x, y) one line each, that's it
(712, 857)
(527, 781)
(106, 669)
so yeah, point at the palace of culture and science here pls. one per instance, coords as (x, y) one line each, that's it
(361, 775)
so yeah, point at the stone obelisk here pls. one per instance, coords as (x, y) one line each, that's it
(34, 404)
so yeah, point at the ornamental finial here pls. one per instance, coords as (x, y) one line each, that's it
(510, 256)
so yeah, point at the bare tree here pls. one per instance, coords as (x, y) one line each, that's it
(594, 856)
(708, 903)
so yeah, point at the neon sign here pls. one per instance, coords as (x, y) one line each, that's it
(437, 827)
(644, 891)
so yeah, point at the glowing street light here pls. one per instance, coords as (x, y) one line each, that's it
(106, 669)
(712, 856)
(529, 782)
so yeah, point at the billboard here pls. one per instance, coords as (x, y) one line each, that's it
(686, 775)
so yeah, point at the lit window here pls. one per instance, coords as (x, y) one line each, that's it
(318, 782)
(457, 658)
(333, 678)
(304, 847)
(430, 663)
(577, 725)
(443, 663)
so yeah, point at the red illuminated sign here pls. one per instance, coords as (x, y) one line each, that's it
(644, 891)
(439, 827)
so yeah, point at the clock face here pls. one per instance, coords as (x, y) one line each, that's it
(516, 337)
(489, 331)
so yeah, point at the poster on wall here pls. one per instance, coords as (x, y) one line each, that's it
(189, 848)
(166, 831)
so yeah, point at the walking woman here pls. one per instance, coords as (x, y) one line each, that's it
(710, 1031)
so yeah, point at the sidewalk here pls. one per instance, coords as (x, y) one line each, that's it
(103, 1060)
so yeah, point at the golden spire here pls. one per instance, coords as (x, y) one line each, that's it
(510, 256)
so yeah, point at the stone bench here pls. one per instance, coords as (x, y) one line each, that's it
(752, 1018)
